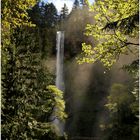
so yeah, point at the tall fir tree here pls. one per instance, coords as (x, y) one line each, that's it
(50, 15)
(64, 12)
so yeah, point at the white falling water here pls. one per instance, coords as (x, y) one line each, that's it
(59, 63)
(59, 74)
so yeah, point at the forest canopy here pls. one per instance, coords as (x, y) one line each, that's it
(98, 95)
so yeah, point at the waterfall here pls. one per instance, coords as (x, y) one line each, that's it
(59, 74)
(59, 63)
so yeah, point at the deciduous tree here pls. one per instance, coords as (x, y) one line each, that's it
(115, 31)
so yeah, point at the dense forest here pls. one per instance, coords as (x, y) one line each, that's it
(101, 70)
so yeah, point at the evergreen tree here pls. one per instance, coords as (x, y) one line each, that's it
(27, 103)
(50, 15)
(46, 27)
(76, 4)
(35, 14)
(64, 12)
(27, 99)
(44, 15)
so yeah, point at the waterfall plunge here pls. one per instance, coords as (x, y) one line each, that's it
(59, 74)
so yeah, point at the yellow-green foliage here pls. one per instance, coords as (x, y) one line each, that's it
(118, 96)
(14, 14)
(123, 114)
(59, 102)
(115, 23)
